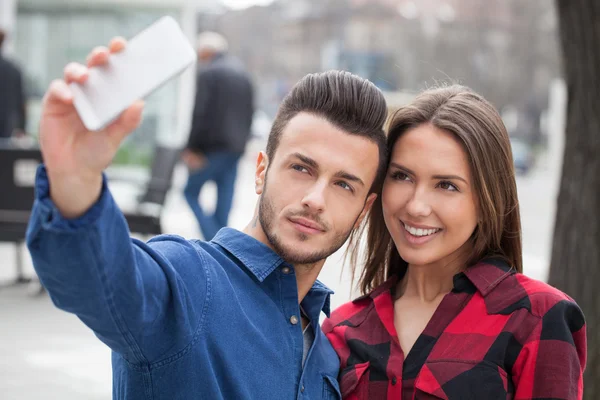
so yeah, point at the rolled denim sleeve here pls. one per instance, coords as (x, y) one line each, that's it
(135, 296)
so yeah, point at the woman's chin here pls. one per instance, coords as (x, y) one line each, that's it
(415, 259)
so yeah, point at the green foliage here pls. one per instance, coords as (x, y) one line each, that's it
(129, 154)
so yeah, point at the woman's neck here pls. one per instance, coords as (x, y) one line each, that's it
(430, 281)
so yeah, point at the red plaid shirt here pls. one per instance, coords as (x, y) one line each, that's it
(497, 335)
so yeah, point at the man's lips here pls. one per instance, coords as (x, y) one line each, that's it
(307, 225)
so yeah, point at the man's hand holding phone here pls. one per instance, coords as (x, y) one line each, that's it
(74, 156)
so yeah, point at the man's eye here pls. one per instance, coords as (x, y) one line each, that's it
(345, 186)
(299, 168)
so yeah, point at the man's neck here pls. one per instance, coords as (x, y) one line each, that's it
(254, 229)
(306, 274)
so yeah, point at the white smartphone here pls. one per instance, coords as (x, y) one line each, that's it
(151, 58)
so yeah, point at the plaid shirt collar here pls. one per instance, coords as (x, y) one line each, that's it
(488, 274)
(483, 277)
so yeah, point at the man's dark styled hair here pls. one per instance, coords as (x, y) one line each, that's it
(350, 103)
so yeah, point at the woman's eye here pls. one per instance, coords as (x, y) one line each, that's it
(400, 176)
(299, 168)
(448, 186)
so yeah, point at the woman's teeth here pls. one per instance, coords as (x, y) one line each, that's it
(420, 232)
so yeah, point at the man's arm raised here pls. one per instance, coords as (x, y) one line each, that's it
(122, 288)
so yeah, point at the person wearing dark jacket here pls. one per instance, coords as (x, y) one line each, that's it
(12, 97)
(221, 126)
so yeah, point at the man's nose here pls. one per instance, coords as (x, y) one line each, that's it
(314, 199)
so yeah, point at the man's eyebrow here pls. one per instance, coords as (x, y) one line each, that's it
(350, 177)
(341, 174)
(306, 160)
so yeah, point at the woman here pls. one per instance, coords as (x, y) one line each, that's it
(446, 311)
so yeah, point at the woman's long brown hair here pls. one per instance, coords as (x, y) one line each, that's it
(479, 128)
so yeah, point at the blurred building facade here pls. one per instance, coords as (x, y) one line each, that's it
(505, 49)
(47, 34)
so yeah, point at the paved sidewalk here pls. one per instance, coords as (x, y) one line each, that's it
(48, 354)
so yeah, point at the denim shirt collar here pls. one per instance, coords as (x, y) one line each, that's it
(318, 296)
(255, 256)
(261, 261)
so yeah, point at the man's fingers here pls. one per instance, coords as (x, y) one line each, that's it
(127, 122)
(98, 56)
(59, 91)
(101, 54)
(132, 117)
(75, 72)
(117, 44)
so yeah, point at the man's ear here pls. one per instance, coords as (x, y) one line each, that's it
(262, 164)
(368, 204)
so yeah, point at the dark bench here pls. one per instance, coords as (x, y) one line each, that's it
(145, 217)
(17, 176)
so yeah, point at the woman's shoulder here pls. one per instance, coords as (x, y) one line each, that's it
(543, 297)
(552, 313)
(507, 291)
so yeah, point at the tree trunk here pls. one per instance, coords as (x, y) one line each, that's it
(575, 266)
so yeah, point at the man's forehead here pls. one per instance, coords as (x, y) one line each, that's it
(330, 147)
(309, 128)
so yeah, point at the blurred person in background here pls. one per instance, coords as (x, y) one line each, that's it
(233, 318)
(12, 97)
(446, 311)
(221, 127)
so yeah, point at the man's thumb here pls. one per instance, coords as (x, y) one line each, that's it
(127, 122)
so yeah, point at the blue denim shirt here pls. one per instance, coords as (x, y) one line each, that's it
(185, 319)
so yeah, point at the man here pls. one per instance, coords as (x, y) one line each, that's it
(12, 97)
(233, 318)
(221, 126)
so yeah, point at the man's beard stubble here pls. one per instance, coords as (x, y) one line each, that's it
(267, 216)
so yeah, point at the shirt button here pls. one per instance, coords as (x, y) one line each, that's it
(302, 389)
(286, 270)
(294, 320)
(394, 381)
